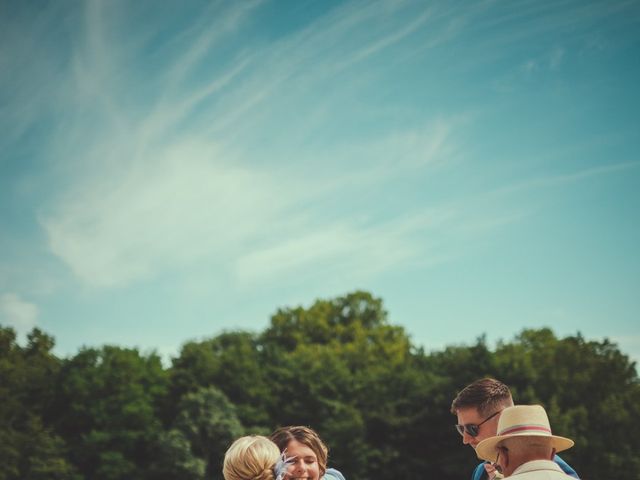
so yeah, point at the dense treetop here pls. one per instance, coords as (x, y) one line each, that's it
(380, 402)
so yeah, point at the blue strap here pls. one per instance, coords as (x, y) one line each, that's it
(566, 468)
(479, 472)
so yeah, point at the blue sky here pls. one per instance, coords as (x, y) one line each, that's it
(170, 170)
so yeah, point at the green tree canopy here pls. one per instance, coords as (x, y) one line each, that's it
(107, 408)
(29, 450)
(194, 446)
(379, 402)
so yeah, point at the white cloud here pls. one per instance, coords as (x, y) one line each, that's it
(344, 247)
(17, 313)
(562, 179)
(189, 202)
(356, 251)
(168, 184)
(175, 179)
(174, 209)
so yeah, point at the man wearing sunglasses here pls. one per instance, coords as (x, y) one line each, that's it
(478, 407)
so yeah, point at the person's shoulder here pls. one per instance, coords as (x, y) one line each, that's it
(333, 474)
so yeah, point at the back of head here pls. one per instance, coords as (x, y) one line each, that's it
(525, 449)
(250, 458)
(305, 435)
(486, 395)
(538, 446)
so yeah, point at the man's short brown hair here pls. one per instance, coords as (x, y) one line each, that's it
(486, 395)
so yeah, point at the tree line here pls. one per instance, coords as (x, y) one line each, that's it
(380, 402)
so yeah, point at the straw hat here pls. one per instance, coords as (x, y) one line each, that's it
(521, 421)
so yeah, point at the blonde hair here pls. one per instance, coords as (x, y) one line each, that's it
(250, 458)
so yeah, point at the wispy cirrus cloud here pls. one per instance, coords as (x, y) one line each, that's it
(198, 202)
(564, 178)
(351, 250)
(188, 164)
(167, 182)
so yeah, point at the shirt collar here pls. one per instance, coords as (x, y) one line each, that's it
(537, 465)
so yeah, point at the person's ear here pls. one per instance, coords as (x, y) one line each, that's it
(504, 456)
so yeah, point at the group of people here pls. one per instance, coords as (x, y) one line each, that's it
(291, 453)
(512, 440)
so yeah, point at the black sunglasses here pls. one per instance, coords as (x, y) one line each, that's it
(473, 429)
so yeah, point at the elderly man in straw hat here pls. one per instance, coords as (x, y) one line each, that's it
(524, 446)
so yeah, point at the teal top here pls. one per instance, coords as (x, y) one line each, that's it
(333, 474)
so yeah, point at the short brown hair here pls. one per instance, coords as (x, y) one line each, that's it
(305, 435)
(486, 395)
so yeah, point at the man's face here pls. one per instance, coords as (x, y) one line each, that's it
(471, 416)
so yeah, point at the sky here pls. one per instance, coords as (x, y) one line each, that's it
(172, 170)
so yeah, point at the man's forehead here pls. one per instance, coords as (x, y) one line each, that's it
(468, 415)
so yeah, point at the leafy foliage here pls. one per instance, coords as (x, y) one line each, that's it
(29, 449)
(107, 406)
(193, 448)
(378, 401)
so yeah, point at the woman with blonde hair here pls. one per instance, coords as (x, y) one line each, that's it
(254, 457)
